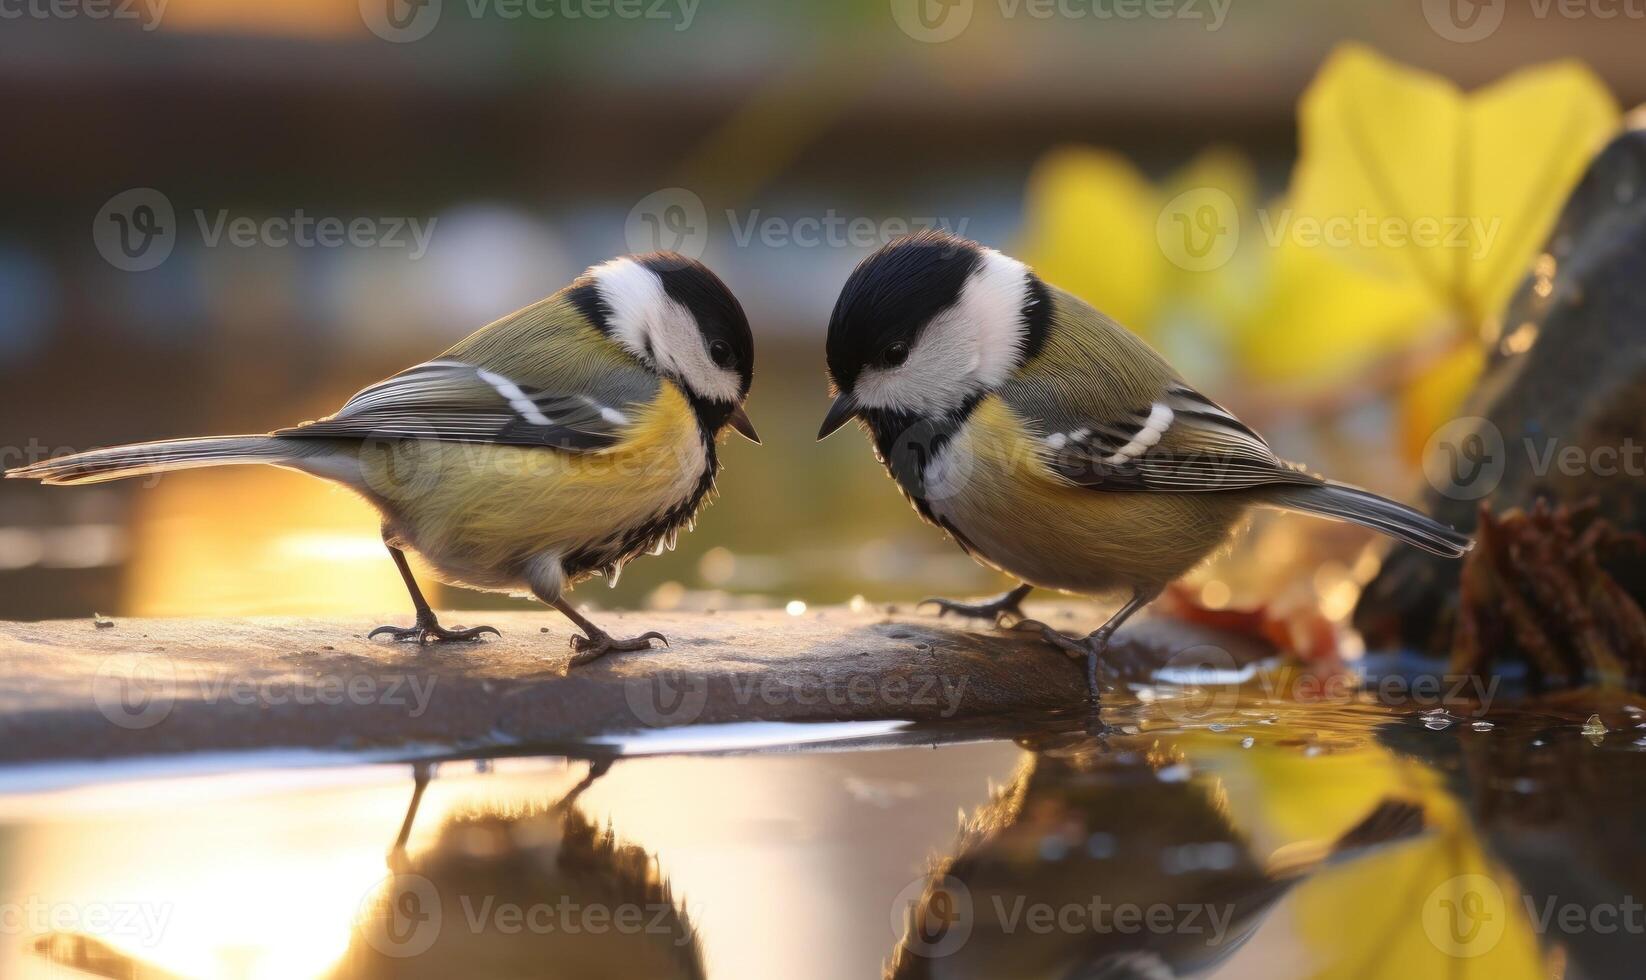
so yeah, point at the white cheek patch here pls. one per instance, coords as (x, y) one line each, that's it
(993, 303)
(655, 328)
(973, 345)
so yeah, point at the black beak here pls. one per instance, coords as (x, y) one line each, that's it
(842, 411)
(740, 421)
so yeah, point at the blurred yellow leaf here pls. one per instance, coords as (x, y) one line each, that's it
(1320, 320)
(1442, 908)
(1431, 399)
(1090, 230)
(1414, 206)
(1143, 254)
(1413, 213)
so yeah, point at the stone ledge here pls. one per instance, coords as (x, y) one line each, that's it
(70, 689)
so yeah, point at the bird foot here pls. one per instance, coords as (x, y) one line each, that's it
(431, 632)
(593, 647)
(1090, 647)
(997, 609)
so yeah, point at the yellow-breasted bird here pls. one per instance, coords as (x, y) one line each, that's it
(1052, 443)
(563, 440)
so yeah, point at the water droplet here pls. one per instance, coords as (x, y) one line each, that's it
(1594, 729)
(1248, 742)
(1482, 726)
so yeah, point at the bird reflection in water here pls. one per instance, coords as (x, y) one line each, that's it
(538, 892)
(1089, 865)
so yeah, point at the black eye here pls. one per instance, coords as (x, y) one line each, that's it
(896, 354)
(721, 353)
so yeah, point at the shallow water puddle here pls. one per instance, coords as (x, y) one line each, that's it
(1210, 831)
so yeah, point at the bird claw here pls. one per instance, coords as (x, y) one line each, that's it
(995, 609)
(592, 648)
(432, 632)
(1090, 647)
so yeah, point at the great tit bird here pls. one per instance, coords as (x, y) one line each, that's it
(1050, 442)
(563, 440)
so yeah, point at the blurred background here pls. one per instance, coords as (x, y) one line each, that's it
(225, 216)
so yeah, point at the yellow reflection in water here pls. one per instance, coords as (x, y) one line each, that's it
(241, 541)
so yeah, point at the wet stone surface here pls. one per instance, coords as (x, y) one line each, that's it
(70, 689)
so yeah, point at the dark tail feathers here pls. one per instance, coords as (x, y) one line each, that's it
(1346, 503)
(119, 462)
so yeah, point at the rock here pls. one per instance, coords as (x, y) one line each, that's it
(1560, 413)
(168, 686)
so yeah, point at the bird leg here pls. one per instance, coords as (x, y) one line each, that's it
(397, 860)
(427, 627)
(1094, 644)
(596, 642)
(997, 609)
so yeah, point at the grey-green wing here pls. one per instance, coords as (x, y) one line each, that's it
(540, 377)
(1112, 415)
